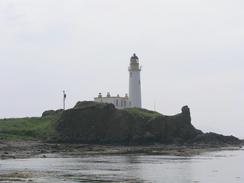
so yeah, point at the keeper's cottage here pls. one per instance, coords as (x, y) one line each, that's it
(134, 98)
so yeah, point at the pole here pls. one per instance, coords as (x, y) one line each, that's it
(154, 105)
(64, 98)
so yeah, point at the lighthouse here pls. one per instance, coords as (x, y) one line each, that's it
(134, 82)
(134, 97)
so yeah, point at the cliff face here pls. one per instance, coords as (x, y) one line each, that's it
(90, 122)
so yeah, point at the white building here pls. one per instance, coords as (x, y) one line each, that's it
(134, 98)
(135, 82)
(119, 102)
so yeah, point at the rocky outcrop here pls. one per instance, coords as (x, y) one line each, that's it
(91, 122)
(215, 139)
(52, 112)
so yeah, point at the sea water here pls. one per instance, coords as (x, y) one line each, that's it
(211, 167)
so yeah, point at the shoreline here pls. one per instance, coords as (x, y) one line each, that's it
(38, 149)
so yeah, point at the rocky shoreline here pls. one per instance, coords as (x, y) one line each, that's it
(29, 149)
(100, 129)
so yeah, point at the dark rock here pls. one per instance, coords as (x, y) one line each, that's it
(42, 151)
(90, 105)
(91, 122)
(186, 112)
(52, 112)
(216, 139)
(100, 123)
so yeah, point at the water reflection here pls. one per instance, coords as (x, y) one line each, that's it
(224, 167)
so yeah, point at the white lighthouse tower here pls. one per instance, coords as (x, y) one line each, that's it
(134, 82)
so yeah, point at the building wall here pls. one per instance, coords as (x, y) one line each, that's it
(118, 102)
(135, 88)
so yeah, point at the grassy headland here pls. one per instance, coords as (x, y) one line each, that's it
(35, 128)
(96, 123)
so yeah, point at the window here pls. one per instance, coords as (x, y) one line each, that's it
(125, 103)
(121, 103)
(117, 102)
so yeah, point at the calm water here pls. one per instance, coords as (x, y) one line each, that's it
(213, 167)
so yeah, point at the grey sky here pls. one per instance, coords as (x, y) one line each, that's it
(191, 52)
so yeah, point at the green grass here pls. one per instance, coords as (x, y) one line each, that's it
(35, 128)
(143, 113)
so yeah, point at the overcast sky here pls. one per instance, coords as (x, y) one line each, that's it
(192, 53)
